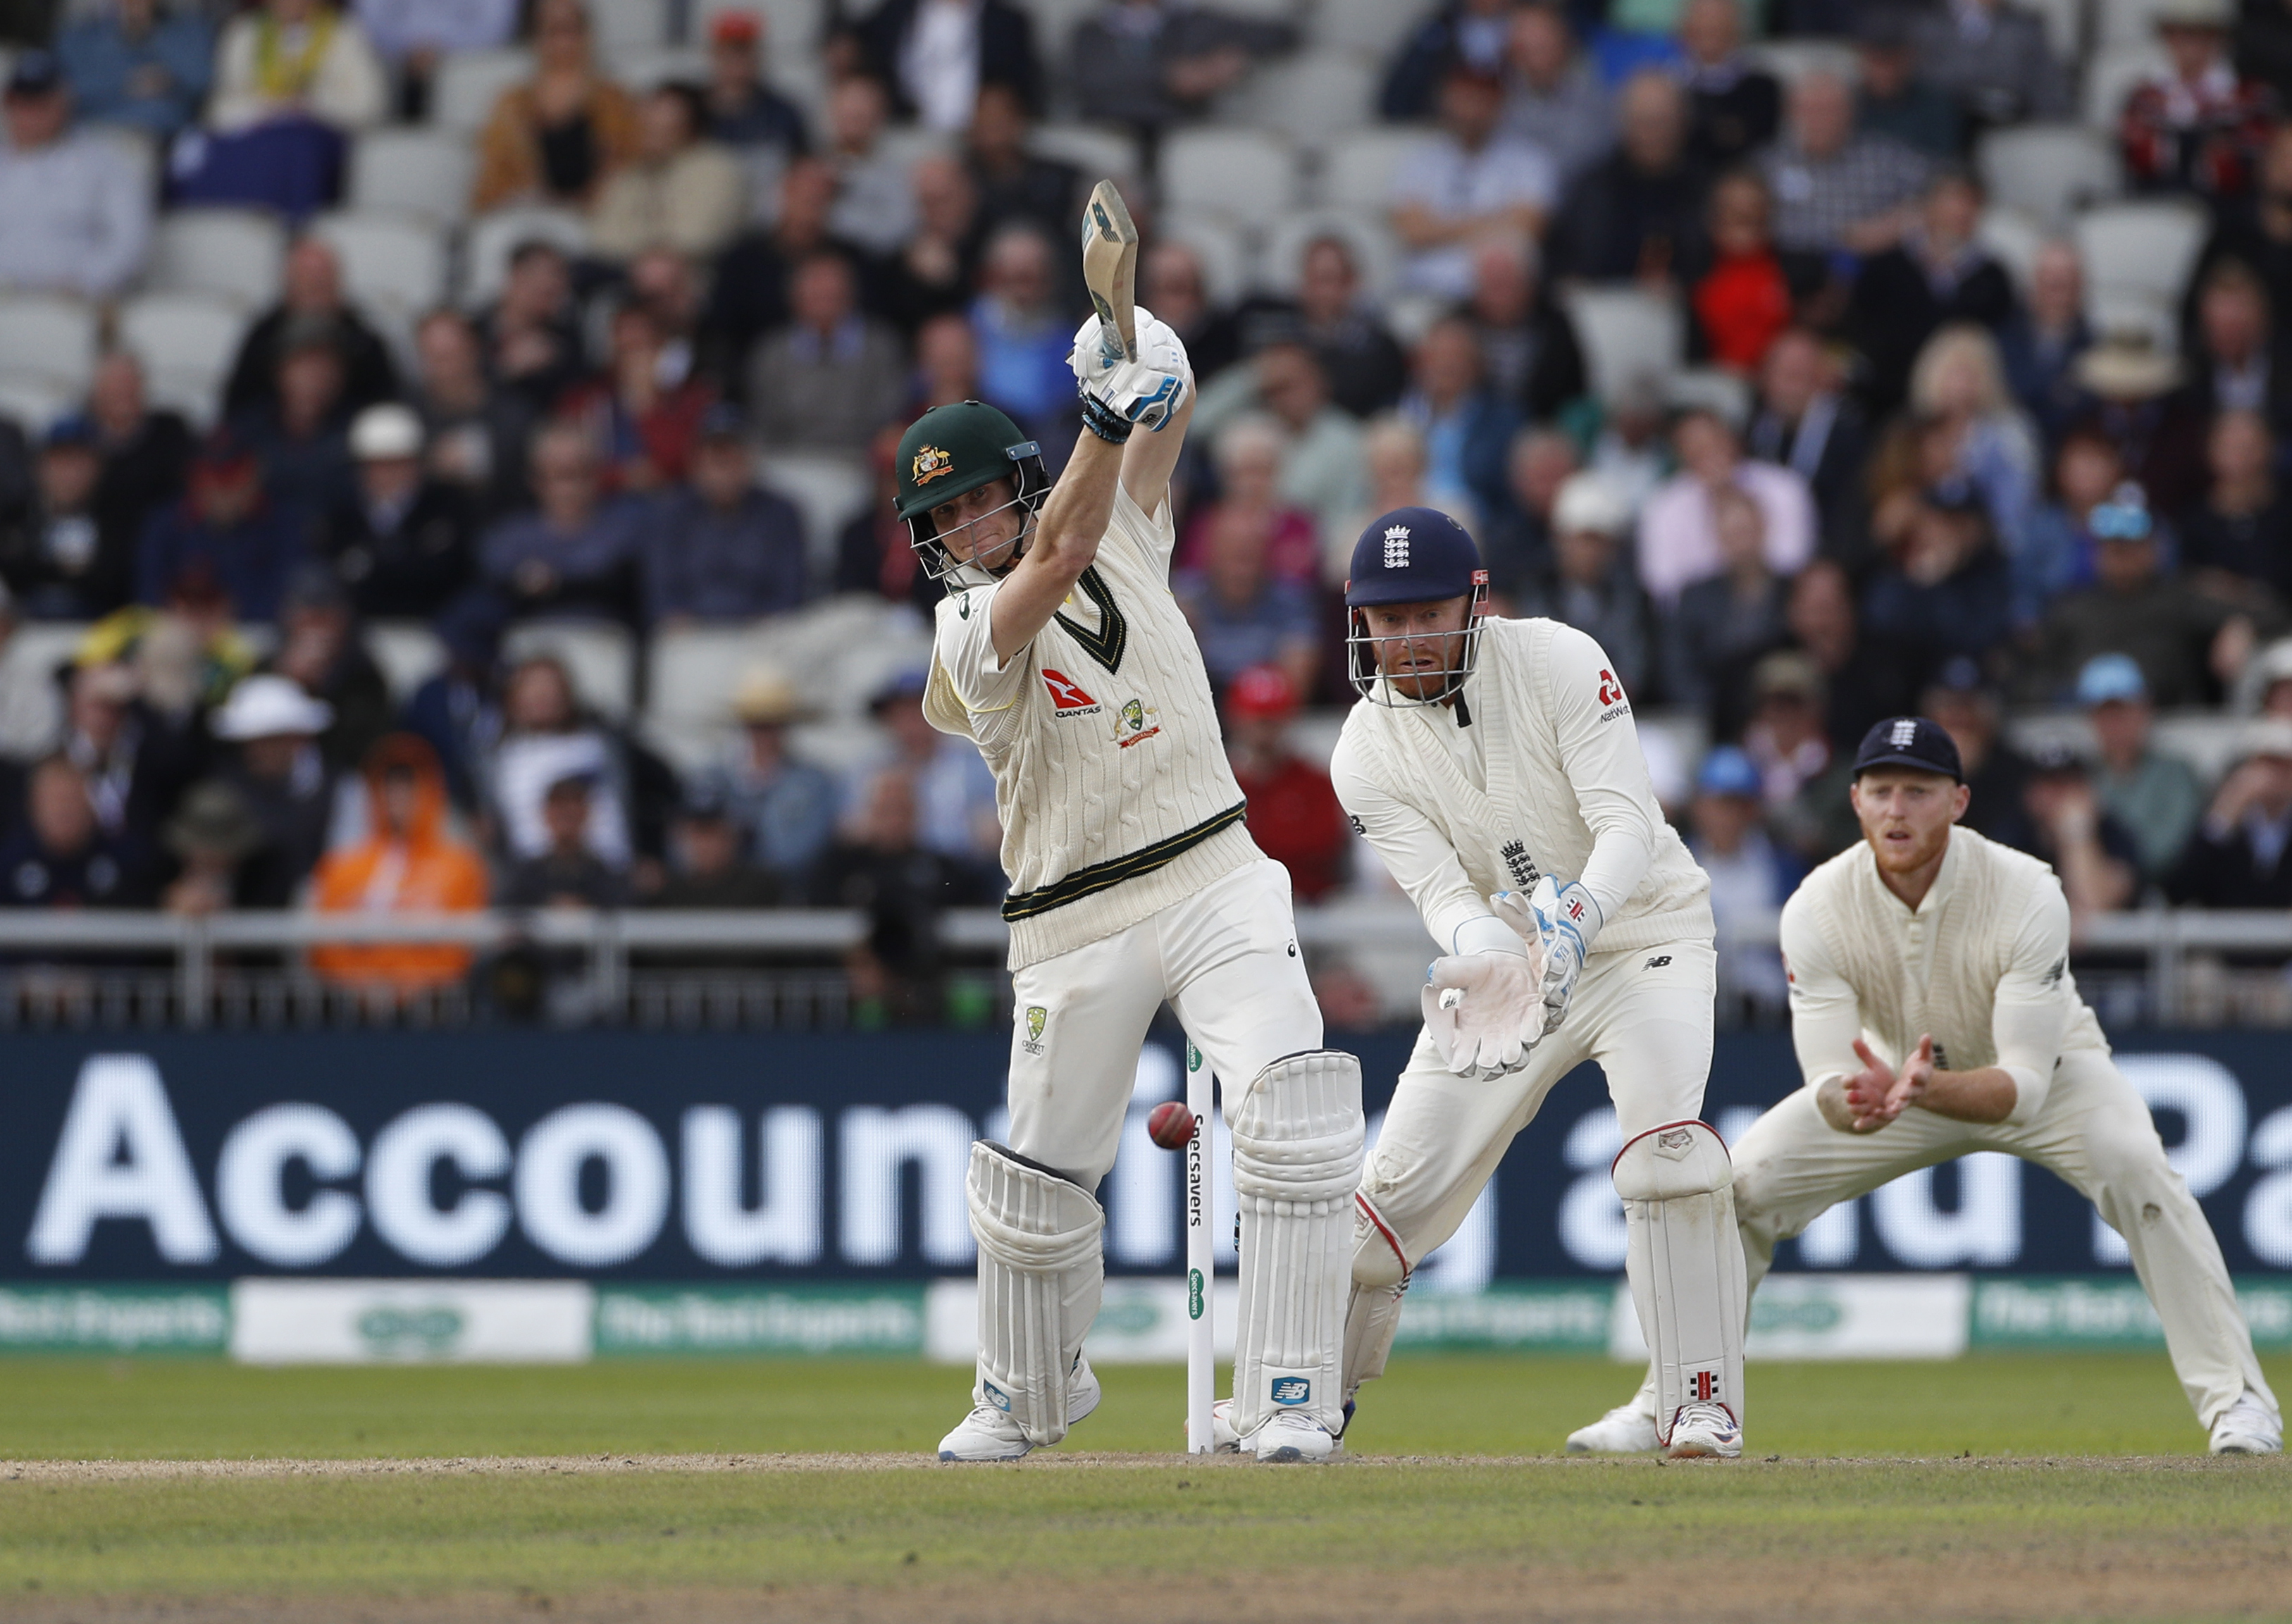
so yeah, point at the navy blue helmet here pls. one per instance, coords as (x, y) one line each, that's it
(1413, 555)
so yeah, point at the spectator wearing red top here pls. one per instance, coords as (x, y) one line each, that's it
(2197, 126)
(1743, 302)
(1294, 815)
(643, 414)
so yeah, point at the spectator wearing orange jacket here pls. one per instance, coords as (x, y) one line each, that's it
(408, 863)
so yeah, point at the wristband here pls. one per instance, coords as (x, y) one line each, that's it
(1103, 420)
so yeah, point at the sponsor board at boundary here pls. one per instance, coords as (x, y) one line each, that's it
(271, 1321)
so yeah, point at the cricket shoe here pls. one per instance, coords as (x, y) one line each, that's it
(1225, 1441)
(990, 1433)
(1705, 1432)
(1625, 1430)
(2250, 1427)
(1287, 1438)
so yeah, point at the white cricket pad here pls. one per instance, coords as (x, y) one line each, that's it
(1041, 1266)
(1296, 1162)
(1380, 1278)
(1686, 1265)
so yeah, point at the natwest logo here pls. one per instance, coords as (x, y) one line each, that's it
(1068, 700)
(1610, 690)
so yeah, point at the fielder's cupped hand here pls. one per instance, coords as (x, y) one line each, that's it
(1145, 392)
(1484, 1011)
(1867, 1100)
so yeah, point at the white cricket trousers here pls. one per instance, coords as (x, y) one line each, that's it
(1226, 961)
(1644, 1015)
(2095, 1131)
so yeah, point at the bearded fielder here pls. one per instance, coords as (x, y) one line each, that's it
(1496, 768)
(1060, 652)
(1934, 1016)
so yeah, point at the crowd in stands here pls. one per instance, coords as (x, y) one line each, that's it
(1903, 460)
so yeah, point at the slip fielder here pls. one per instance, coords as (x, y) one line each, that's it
(1934, 1016)
(1060, 652)
(1492, 758)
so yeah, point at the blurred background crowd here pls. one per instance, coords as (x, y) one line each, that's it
(443, 443)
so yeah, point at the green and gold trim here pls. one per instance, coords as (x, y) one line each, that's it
(1104, 876)
(1106, 644)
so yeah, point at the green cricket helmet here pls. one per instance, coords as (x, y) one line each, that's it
(955, 449)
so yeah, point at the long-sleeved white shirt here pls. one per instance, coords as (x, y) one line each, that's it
(1981, 965)
(1537, 771)
(74, 218)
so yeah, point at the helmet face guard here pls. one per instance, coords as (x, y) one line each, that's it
(939, 560)
(1365, 671)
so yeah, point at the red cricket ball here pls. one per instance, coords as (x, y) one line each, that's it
(1170, 1125)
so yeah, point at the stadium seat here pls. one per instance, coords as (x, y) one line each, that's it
(626, 25)
(646, 67)
(1726, 392)
(2114, 71)
(186, 343)
(392, 262)
(1357, 169)
(1054, 25)
(2015, 239)
(2064, 26)
(691, 673)
(1375, 251)
(1246, 174)
(492, 239)
(1627, 335)
(2124, 22)
(48, 336)
(42, 645)
(1218, 243)
(1310, 99)
(138, 147)
(470, 82)
(32, 402)
(602, 657)
(2142, 248)
(409, 653)
(236, 253)
(2049, 170)
(1374, 29)
(828, 489)
(1792, 59)
(1263, 11)
(1100, 151)
(2135, 311)
(417, 172)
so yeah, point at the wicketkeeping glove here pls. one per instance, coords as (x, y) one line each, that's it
(1564, 921)
(1484, 1011)
(1146, 392)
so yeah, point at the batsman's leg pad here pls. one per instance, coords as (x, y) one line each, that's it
(1686, 1264)
(1041, 1266)
(1297, 1163)
(1380, 1277)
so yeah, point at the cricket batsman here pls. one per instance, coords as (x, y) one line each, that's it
(1060, 652)
(1934, 1016)
(1496, 768)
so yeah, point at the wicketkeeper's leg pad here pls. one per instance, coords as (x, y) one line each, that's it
(1380, 1277)
(1297, 1163)
(1042, 1265)
(1686, 1264)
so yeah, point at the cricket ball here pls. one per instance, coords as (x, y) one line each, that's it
(1170, 1125)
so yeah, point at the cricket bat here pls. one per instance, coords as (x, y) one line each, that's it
(1109, 264)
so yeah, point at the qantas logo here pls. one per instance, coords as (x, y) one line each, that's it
(1068, 700)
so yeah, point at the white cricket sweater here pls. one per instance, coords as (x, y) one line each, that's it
(1110, 773)
(1536, 770)
(1982, 966)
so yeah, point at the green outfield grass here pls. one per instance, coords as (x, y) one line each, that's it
(2015, 1531)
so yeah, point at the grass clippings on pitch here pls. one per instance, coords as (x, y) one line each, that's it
(614, 1530)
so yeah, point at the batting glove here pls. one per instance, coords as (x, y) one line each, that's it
(1564, 921)
(1147, 391)
(1484, 1012)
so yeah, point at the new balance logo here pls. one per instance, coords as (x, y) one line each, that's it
(1291, 1390)
(1658, 962)
(1905, 734)
(1396, 547)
